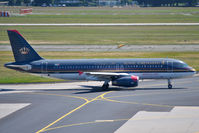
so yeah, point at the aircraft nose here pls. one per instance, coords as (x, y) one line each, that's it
(193, 70)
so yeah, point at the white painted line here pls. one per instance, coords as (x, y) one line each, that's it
(7, 109)
(98, 24)
(104, 120)
(179, 120)
(10, 92)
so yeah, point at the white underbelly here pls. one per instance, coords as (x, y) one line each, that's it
(171, 75)
(68, 76)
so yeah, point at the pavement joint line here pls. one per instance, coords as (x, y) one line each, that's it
(87, 102)
(84, 123)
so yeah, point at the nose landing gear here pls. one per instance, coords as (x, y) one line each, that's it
(169, 84)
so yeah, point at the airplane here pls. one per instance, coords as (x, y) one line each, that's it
(121, 72)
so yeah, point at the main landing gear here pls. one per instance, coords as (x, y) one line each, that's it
(169, 84)
(105, 85)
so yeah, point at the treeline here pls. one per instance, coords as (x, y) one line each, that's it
(171, 3)
(155, 3)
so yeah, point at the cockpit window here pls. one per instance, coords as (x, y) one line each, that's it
(180, 65)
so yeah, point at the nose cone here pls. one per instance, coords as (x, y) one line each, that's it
(192, 70)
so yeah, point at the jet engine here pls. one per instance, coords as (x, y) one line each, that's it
(127, 81)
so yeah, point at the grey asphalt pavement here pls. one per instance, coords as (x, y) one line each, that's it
(88, 109)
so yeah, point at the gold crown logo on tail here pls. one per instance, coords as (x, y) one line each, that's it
(24, 50)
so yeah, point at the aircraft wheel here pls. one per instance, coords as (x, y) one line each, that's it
(170, 86)
(105, 86)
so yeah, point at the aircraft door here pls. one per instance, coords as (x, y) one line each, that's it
(44, 67)
(170, 66)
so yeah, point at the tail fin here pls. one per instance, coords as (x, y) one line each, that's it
(21, 49)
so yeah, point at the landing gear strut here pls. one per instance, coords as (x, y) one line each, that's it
(169, 84)
(105, 85)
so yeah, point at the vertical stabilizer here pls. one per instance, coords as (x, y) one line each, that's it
(22, 50)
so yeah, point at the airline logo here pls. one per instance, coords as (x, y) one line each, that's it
(24, 50)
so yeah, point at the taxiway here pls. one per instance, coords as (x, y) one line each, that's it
(84, 107)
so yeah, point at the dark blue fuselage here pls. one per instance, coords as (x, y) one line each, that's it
(109, 65)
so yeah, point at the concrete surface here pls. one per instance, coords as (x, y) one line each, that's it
(185, 117)
(84, 107)
(7, 109)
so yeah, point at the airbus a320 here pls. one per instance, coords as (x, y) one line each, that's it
(121, 72)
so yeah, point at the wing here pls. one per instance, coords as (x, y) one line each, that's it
(104, 75)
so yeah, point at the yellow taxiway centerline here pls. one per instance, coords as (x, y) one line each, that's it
(115, 120)
(84, 123)
(147, 104)
(87, 101)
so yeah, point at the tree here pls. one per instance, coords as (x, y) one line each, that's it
(41, 2)
(27, 2)
(19, 2)
(11, 2)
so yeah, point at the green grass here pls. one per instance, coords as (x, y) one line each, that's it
(131, 35)
(62, 10)
(11, 76)
(103, 15)
(172, 18)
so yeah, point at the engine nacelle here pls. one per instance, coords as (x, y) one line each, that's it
(128, 81)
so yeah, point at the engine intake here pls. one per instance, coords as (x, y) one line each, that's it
(128, 81)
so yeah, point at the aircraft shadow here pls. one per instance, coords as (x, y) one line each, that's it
(91, 89)
(2, 90)
(95, 89)
(159, 88)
